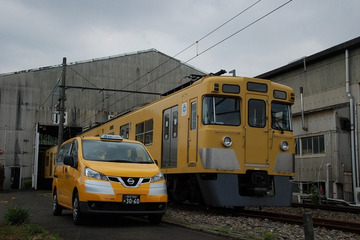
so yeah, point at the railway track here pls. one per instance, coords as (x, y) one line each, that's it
(328, 207)
(330, 224)
(296, 219)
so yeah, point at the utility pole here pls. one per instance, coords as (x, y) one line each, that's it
(62, 100)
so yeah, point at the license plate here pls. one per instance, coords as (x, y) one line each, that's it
(131, 199)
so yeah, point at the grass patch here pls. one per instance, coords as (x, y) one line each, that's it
(270, 235)
(16, 224)
(25, 232)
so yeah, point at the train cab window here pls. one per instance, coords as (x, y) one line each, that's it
(221, 111)
(257, 113)
(281, 116)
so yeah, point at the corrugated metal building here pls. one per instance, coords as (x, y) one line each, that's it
(325, 120)
(29, 103)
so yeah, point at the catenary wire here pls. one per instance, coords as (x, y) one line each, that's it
(197, 55)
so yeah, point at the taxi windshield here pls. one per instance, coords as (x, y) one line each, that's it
(113, 151)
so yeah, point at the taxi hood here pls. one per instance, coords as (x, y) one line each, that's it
(119, 169)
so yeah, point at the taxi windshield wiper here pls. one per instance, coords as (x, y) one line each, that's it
(117, 160)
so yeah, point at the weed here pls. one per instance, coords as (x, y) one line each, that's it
(15, 214)
(270, 235)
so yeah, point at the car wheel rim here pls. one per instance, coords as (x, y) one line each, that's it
(54, 202)
(75, 208)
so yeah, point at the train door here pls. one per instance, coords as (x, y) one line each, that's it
(192, 134)
(169, 137)
(257, 130)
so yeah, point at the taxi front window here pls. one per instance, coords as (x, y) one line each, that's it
(111, 151)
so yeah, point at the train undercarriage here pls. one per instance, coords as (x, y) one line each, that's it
(255, 188)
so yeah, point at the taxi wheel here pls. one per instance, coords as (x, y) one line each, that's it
(56, 209)
(77, 217)
(155, 218)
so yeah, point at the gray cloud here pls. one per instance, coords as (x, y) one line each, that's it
(39, 33)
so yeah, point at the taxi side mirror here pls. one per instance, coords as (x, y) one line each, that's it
(156, 161)
(69, 160)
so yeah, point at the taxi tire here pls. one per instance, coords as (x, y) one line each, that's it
(155, 218)
(56, 208)
(77, 216)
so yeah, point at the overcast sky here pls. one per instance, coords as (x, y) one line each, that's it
(39, 33)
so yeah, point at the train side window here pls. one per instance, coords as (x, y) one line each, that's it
(193, 116)
(175, 124)
(166, 127)
(144, 132)
(124, 131)
(51, 164)
(257, 113)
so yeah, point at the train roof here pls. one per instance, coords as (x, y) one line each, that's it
(193, 78)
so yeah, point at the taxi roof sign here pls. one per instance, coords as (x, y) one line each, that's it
(111, 137)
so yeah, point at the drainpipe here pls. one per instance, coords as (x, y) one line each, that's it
(302, 109)
(327, 184)
(352, 128)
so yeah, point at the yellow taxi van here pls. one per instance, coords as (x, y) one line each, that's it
(107, 174)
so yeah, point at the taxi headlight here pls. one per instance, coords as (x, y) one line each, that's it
(157, 177)
(94, 174)
(284, 145)
(227, 141)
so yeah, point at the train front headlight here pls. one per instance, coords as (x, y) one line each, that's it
(284, 145)
(227, 141)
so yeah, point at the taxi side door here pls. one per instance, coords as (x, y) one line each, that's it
(71, 174)
(59, 173)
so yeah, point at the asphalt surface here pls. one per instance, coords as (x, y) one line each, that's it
(39, 204)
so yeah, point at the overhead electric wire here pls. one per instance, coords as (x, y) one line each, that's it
(242, 29)
(205, 36)
(218, 28)
(81, 76)
(197, 55)
(52, 92)
(196, 42)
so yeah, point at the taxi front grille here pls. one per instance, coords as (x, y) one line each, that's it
(130, 182)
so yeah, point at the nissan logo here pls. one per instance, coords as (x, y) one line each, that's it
(130, 181)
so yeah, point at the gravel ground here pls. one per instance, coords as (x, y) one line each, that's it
(253, 228)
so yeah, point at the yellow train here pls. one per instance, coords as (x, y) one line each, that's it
(221, 140)
(49, 162)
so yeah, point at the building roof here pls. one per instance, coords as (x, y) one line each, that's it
(152, 50)
(317, 57)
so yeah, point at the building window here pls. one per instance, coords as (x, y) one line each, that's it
(310, 145)
(144, 132)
